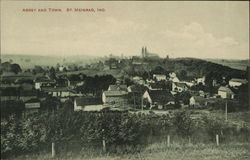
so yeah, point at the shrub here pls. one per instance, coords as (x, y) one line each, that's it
(183, 123)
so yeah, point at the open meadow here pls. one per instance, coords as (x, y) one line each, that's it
(159, 151)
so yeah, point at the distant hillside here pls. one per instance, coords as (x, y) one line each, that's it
(184, 67)
(203, 67)
(187, 68)
(236, 64)
(29, 61)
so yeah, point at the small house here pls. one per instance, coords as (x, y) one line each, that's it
(44, 83)
(201, 80)
(86, 103)
(158, 98)
(197, 101)
(60, 92)
(32, 106)
(159, 77)
(138, 80)
(226, 92)
(117, 88)
(175, 79)
(179, 86)
(155, 86)
(172, 75)
(203, 94)
(137, 88)
(189, 83)
(115, 97)
(236, 82)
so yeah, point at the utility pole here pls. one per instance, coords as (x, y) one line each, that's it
(226, 111)
(142, 103)
(134, 98)
(53, 145)
(103, 141)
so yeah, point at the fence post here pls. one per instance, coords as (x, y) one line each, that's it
(217, 140)
(103, 145)
(103, 142)
(53, 150)
(226, 111)
(168, 141)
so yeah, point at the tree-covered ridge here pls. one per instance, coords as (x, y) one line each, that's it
(185, 68)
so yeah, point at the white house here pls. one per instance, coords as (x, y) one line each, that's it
(236, 82)
(179, 87)
(190, 84)
(114, 97)
(44, 83)
(118, 88)
(172, 75)
(159, 77)
(138, 80)
(175, 79)
(225, 92)
(32, 106)
(197, 101)
(158, 98)
(201, 80)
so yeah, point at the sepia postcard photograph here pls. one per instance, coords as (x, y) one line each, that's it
(124, 80)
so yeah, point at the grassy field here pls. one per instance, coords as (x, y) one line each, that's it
(160, 151)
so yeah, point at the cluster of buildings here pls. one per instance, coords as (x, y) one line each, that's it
(157, 96)
(31, 91)
(153, 93)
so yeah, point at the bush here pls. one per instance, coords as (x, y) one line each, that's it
(121, 130)
(10, 136)
(183, 123)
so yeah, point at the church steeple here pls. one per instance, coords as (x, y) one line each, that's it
(143, 52)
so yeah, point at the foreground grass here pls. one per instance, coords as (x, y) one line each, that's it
(158, 151)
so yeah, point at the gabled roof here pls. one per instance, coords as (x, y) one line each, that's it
(33, 100)
(27, 86)
(10, 91)
(239, 80)
(155, 85)
(57, 89)
(161, 96)
(137, 78)
(27, 93)
(159, 75)
(115, 93)
(117, 87)
(34, 104)
(2, 86)
(44, 80)
(199, 99)
(94, 107)
(138, 88)
(83, 101)
(225, 89)
(182, 85)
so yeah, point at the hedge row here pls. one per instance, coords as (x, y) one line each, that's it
(36, 132)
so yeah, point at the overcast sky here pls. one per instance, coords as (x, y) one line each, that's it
(179, 29)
